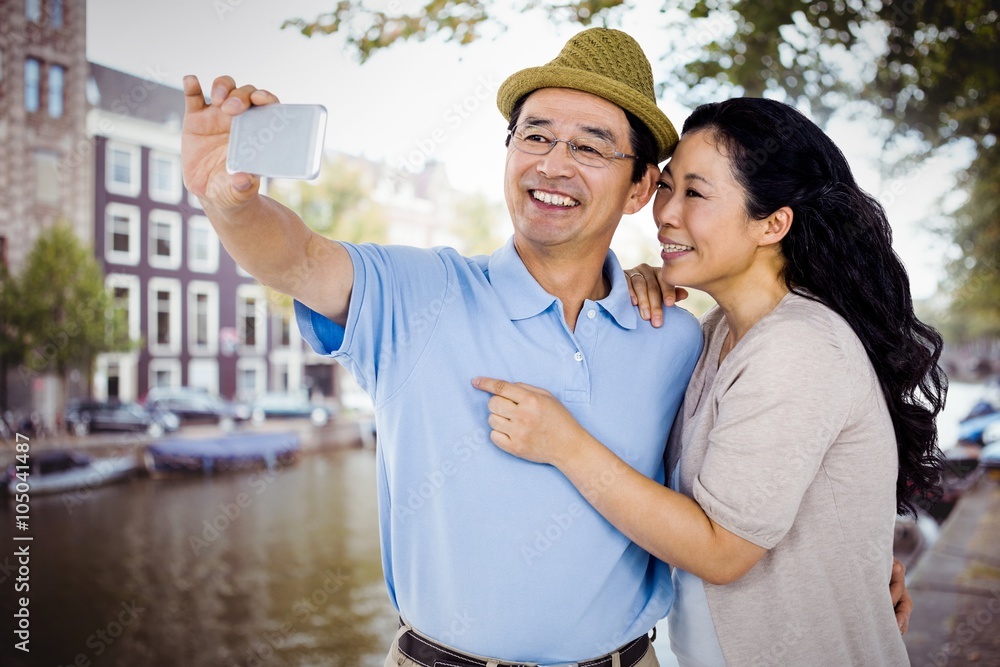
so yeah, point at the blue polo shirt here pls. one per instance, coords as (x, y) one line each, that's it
(483, 551)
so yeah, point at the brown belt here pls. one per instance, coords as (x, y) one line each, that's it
(425, 652)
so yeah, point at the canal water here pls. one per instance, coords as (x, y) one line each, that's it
(237, 570)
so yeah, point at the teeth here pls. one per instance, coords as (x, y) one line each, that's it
(673, 247)
(555, 200)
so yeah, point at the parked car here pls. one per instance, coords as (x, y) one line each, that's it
(289, 406)
(87, 416)
(193, 405)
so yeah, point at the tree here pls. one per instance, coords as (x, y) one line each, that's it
(63, 315)
(925, 69)
(368, 30)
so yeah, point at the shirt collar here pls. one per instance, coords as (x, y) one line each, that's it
(522, 297)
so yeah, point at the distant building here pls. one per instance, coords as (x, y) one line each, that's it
(43, 76)
(45, 154)
(203, 321)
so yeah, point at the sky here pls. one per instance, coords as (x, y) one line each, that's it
(431, 100)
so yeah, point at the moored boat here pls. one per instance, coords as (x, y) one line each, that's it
(238, 451)
(56, 471)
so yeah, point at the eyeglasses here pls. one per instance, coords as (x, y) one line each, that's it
(589, 151)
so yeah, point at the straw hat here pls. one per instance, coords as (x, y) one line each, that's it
(603, 62)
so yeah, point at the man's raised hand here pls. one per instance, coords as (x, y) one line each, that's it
(205, 141)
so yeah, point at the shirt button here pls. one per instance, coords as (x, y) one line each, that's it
(578, 356)
(591, 314)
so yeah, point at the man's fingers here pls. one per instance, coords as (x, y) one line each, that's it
(513, 392)
(221, 88)
(502, 407)
(194, 98)
(261, 97)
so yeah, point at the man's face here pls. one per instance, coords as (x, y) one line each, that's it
(554, 201)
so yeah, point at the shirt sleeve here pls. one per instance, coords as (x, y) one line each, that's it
(781, 403)
(395, 304)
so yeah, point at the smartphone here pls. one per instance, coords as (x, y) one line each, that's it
(278, 140)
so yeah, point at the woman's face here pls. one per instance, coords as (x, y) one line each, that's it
(707, 239)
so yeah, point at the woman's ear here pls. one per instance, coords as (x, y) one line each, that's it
(777, 226)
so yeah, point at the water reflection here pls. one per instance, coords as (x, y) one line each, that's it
(237, 570)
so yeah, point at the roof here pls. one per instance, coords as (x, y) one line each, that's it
(129, 95)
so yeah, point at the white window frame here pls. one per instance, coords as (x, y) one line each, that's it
(261, 321)
(173, 220)
(131, 257)
(134, 185)
(172, 194)
(212, 365)
(133, 285)
(259, 366)
(173, 366)
(173, 287)
(46, 167)
(196, 287)
(210, 264)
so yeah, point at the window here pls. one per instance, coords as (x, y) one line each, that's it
(203, 245)
(164, 327)
(122, 175)
(33, 10)
(164, 177)
(251, 375)
(251, 318)
(282, 329)
(56, 19)
(124, 291)
(57, 78)
(164, 373)
(32, 84)
(121, 224)
(46, 177)
(203, 317)
(165, 239)
(204, 374)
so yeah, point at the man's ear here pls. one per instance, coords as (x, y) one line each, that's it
(778, 225)
(642, 191)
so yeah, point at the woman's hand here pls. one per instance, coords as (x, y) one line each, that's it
(530, 423)
(650, 293)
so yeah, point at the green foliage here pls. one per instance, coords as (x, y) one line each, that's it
(58, 314)
(926, 70)
(368, 30)
(338, 204)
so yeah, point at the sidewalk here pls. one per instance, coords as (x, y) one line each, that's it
(956, 587)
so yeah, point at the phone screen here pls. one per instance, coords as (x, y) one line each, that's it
(278, 140)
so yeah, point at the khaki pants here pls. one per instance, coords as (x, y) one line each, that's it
(397, 659)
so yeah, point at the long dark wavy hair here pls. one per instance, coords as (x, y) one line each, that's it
(839, 252)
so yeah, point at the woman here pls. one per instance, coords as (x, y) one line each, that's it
(809, 421)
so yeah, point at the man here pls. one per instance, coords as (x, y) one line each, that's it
(491, 560)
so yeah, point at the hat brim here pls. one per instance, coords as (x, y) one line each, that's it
(529, 80)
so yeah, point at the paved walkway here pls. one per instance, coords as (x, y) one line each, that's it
(956, 587)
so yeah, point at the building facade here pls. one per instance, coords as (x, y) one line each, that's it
(45, 166)
(203, 322)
